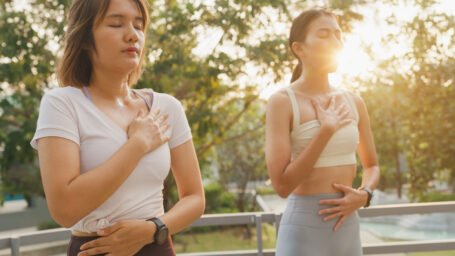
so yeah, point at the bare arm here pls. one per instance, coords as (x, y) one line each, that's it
(191, 204)
(366, 148)
(71, 195)
(286, 175)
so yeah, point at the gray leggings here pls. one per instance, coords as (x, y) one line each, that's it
(302, 231)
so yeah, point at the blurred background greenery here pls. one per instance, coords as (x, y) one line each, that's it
(223, 58)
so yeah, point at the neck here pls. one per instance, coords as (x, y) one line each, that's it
(110, 86)
(313, 82)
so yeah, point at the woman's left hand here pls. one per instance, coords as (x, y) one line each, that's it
(345, 206)
(124, 238)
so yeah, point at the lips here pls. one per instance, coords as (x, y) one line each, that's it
(132, 50)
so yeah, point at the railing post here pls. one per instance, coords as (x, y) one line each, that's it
(15, 244)
(277, 222)
(258, 220)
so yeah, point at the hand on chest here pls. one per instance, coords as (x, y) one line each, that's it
(308, 111)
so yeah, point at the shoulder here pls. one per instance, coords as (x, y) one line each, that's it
(356, 98)
(279, 107)
(164, 98)
(168, 99)
(279, 99)
(62, 93)
(164, 101)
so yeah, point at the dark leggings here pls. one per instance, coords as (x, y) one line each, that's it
(165, 249)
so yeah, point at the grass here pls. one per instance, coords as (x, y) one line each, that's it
(224, 239)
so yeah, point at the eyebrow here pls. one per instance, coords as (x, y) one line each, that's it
(328, 29)
(123, 16)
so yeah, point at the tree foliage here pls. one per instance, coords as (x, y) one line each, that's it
(213, 81)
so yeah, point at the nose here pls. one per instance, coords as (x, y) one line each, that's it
(338, 43)
(131, 34)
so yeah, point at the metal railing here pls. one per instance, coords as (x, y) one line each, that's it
(257, 218)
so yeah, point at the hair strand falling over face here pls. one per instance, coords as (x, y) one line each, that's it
(75, 67)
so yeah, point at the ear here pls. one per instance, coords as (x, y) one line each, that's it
(298, 49)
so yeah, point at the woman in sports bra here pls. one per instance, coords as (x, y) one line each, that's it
(313, 131)
(105, 149)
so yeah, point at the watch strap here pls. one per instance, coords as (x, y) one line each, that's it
(370, 195)
(160, 226)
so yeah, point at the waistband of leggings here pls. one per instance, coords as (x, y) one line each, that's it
(310, 202)
(315, 197)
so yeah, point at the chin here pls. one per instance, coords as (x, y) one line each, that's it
(127, 67)
(332, 68)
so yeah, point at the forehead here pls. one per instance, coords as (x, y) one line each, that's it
(323, 22)
(124, 7)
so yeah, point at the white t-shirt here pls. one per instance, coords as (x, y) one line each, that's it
(66, 112)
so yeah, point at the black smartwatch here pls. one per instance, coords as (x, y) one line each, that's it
(162, 231)
(370, 195)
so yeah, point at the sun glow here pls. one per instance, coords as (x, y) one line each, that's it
(353, 60)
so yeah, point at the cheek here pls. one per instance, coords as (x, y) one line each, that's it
(318, 46)
(105, 44)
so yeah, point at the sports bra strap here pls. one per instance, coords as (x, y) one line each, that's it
(87, 94)
(352, 104)
(149, 104)
(295, 108)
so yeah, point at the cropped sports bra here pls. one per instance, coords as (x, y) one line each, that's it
(341, 147)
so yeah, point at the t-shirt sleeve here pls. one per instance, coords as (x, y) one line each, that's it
(56, 119)
(180, 129)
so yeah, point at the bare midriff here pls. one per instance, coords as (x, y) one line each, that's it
(320, 180)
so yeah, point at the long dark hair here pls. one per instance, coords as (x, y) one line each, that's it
(299, 30)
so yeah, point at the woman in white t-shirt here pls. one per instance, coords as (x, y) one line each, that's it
(105, 149)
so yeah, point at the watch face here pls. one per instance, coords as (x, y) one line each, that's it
(162, 236)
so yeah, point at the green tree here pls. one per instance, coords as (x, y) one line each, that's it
(242, 159)
(210, 85)
(411, 109)
(26, 68)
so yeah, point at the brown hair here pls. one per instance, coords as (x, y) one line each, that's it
(75, 67)
(299, 30)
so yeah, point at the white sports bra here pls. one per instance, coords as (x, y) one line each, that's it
(341, 148)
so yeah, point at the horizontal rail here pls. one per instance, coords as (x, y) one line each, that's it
(410, 246)
(265, 252)
(411, 208)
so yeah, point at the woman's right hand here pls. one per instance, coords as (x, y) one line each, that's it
(332, 118)
(150, 128)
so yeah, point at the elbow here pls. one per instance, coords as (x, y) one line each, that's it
(62, 215)
(281, 190)
(197, 204)
(283, 194)
(202, 204)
